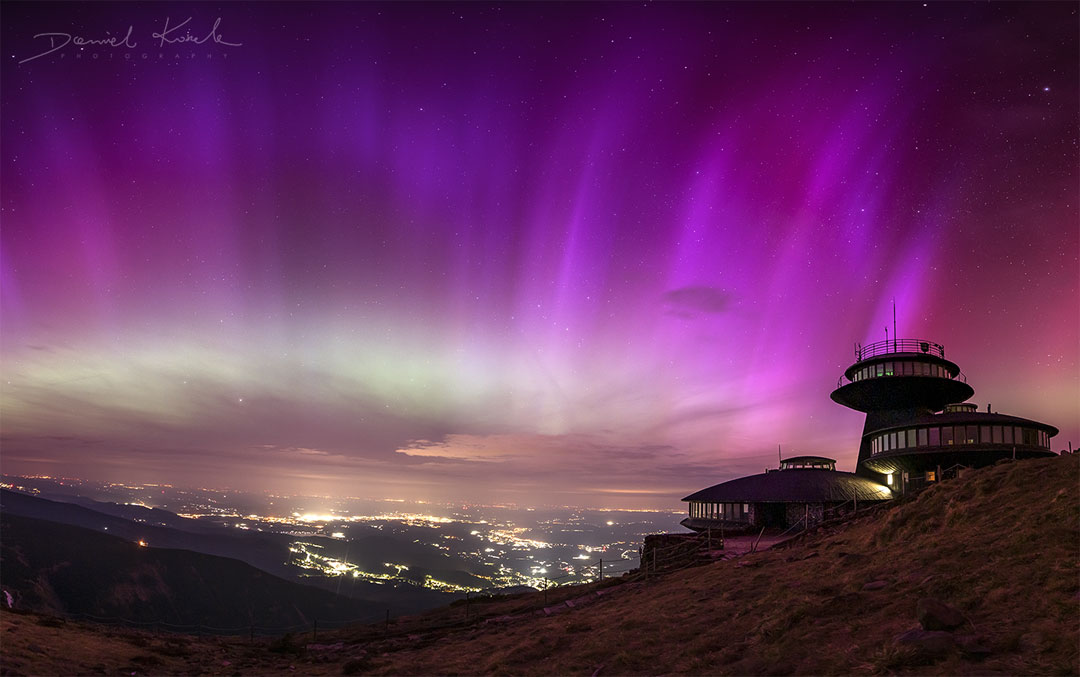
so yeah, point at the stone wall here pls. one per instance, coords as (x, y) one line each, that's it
(671, 549)
(813, 513)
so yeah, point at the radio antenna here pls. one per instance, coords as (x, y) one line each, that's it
(894, 323)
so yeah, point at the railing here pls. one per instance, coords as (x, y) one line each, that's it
(898, 346)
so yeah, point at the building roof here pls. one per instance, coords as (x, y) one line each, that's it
(806, 485)
(969, 417)
(807, 459)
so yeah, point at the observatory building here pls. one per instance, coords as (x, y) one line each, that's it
(918, 425)
(806, 489)
(919, 429)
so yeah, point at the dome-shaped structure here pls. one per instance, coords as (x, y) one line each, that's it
(794, 486)
(804, 489)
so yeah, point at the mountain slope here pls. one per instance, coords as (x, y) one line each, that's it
(1001, 544)
(61, 568)
(263, 550)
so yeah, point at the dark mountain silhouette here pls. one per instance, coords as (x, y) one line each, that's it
(137, 513)
(263, 550)
(60, 568)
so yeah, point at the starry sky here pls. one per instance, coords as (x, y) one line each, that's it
(592, 254)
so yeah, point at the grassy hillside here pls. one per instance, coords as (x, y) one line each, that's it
(1001, 544)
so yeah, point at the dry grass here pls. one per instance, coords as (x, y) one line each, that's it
(1001, 544)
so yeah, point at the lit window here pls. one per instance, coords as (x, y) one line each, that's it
(947, 435)
(931, 476)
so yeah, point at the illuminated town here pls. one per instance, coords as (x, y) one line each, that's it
(450, 548)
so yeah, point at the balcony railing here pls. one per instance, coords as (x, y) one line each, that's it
(865, 352)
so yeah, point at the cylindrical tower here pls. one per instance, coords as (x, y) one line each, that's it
(901, 385)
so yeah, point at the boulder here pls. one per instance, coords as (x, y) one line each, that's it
(974, 646)
(936, 615)
(928, 645)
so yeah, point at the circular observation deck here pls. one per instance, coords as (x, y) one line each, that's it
(901, 374)
(962, 435)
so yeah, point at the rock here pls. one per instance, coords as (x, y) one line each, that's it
(1033, 641)
(929, 645)
(974, 646)
(936, 615)
(875, 585)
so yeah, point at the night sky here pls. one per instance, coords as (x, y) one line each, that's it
(594, 254)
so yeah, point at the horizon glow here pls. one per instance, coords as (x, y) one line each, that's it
(589, 254)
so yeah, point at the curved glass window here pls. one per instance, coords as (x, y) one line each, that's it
(906, 368)
(958, 436)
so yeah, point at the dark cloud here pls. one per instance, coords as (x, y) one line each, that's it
(696, 299)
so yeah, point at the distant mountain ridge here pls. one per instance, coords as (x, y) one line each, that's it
(65, 569)
(267, 551)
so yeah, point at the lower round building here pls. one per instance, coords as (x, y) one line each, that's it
(805, 490)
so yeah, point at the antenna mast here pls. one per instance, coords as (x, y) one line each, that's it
(894, 323)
